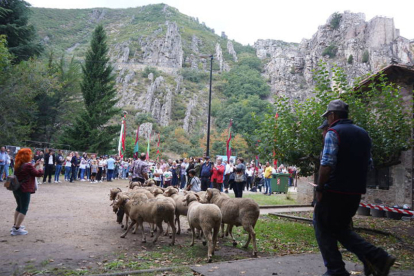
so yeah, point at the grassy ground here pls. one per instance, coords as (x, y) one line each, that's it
(275, 199)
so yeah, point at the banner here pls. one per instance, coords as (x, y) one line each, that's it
(148, 146)
(121, 142)
(136, 147)
(158, 148)
(123, 136)
(228, 146)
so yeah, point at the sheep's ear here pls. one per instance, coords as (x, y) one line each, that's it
(209, 194)
(185, 192)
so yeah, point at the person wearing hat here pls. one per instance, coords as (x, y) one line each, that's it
(205, 173)
(347, 148)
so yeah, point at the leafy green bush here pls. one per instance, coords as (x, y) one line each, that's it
(336, 19)
(194, 75)
(365, 56)
(144, 118)
(330, 51)
(350, 59)
(243, 81)
(148, 70)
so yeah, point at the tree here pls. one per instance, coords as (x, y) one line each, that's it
(243, 81)
(350, 59)
(336, 20)
(21, 37)
(60, 101)
(295, 139)
(365, 56)
(19, 86)
(91, 130)
(5, 56)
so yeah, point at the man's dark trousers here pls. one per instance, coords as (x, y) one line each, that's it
(332, 220)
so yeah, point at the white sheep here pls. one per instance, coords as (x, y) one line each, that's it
(181, 209)
(205, 217)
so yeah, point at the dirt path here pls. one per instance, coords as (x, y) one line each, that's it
(71, 225)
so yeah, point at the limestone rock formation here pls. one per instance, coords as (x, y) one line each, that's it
(290, 66)
(166, 50)
(145, 130)
(230, 48)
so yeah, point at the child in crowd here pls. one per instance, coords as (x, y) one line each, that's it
(94, 171)
(167, 176)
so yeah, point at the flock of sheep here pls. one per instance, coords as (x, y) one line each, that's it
(205, 211)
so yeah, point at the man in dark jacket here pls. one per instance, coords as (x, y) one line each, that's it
(74, 164)
(50, 160)
(347, 148)
(205, 173)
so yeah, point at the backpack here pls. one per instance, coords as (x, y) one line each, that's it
(12, 183)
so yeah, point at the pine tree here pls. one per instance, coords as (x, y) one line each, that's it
(21, 37)
(90, 131)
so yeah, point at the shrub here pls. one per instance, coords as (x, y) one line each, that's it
(330, 51)
(365, 56)
(148, 70)
(350, 59)
(336, 19)
(194, 75)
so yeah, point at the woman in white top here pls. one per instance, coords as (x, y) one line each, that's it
(158, 173)
(68, 166)
(82, 168)
(249, 172)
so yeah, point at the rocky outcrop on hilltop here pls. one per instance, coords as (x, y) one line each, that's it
(165, 51)
(371, 44)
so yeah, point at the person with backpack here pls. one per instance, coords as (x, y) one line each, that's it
(25, 173)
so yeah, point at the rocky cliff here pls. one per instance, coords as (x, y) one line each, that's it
(152, 47)
(371, 44)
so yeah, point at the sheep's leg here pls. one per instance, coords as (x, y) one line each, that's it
(205, 237)
(252, 235)
(227, 230)
(151, 225)
(192, 236)
(126, 221)
(210, 250)
(168, 229)
(222, 230)
(173, 231)
(179, 226)
(215, 234)
(160, 230)
(129, 227)
(144, 239)
(230, 227)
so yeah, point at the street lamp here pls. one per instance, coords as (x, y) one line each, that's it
(209, 104)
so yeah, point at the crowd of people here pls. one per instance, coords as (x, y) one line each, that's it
(195, 174)
(198, 174)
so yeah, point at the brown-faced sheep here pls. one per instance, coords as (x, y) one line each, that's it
(205, 217)
(141, 209)
(181, 208)
(237, 212)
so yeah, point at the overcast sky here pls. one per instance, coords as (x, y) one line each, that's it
(248, 21)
